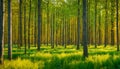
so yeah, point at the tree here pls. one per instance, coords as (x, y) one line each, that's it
(29, 25)
(35, 27)
(20, 22)
(78, 25)
(85, 48)
(95, 23)
(52, 30)
(47, 20)
(100, 28)
(9, 31)
(63, 29)
(117, 24)
(1, 32)
(39, 23)
(112, 23)
(106, 27)
(25, 24)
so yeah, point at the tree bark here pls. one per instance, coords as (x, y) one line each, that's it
(39, 23)
(95, 23)
(29, 24)
(85, 48)
(1, 32)
(106, 29)
(20, 22)
(25, 25)
(78, 26)
(112, 23)
(9, 31)
(117, 24)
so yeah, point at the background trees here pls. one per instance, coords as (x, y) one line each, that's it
(61, 22)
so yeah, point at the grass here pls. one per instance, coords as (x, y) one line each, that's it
(61, 58)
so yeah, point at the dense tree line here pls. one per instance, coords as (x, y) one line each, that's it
(58, 22)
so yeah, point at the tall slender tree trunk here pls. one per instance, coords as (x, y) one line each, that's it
(35, 27)
(56, 31)
(25, 25)
(100, 29)
(117, 24)
(112, 23)
(20, 22)
(9, 31)
(52, 30)
(39, 23)
(65, 38)
(106, 30)
(1, 32)
(29, 24)
(78, 26)
(88, 21)
(95, 23)
(47, 21)
(68, 32)
(63, 24)
(85, 48)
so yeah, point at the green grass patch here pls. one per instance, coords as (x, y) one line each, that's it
(61, 58)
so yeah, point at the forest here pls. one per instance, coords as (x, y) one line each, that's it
(59, 34)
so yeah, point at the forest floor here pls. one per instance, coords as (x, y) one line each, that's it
(61, 58)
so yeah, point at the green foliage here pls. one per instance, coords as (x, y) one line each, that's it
(69, 58)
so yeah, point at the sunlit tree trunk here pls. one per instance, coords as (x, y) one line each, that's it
(9, 31)
(85, 48)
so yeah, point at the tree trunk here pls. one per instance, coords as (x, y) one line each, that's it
(9, 31)
(35, 27)
(47, 21)
(112, 23)
(78, 26)
(63, 24)
(39, 23)
(117, 24)
(52, 30)
(20, 22)
(95, 23)
(25, 24)
(1, 32)
(29, 24)
(85, 48)
(100, 29)
(106, 30)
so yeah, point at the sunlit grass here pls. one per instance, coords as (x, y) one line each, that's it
(61, 58)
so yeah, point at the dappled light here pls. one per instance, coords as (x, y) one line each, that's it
(59, 34)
